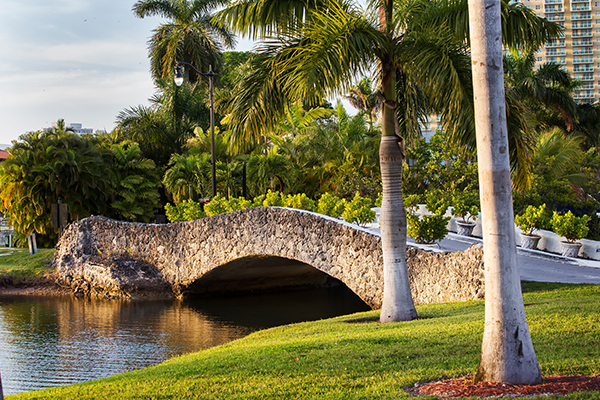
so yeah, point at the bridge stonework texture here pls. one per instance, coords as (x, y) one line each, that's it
(253, 249)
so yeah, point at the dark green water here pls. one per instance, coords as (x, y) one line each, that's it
(49, 341)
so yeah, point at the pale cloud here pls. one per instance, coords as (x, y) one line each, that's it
(81, 60)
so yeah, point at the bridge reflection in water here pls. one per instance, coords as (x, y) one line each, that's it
(47, 341)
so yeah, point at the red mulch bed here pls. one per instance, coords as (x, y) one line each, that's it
(464, 387)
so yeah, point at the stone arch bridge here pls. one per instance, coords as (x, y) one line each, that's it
(254, 249)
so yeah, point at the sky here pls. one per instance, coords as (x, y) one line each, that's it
(80, 60)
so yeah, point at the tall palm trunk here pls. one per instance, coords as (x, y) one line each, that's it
(507, 353)
(397, 299)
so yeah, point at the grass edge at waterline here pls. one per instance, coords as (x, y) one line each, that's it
(356, 357)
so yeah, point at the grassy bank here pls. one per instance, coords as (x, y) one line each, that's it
(19, 268)
(354, 357)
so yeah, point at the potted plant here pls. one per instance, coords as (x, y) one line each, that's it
(465, 205)
(571, 228)
(427, 229)
(534, 218)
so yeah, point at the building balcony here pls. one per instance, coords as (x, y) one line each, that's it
(581, 7)
(583, 95)
(555, 9)
(582, 34)
(560, 43)
(582, 42)
(580, 17)
(583, 69)
(583, 60)
(553, 52)
(581, 26)
(581, 51)
(584, 77)
(555, 17)
(580, 1)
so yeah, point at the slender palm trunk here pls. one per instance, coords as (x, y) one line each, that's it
(397, 299)
(507, 353)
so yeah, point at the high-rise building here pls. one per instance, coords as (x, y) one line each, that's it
(579, 50)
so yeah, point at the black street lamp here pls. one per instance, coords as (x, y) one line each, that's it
(210, 74)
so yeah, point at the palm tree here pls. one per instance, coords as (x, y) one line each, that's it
(507, 353)
(188, 177)
(61, 127)
(589, 124)
(190, 35)
(558, 156)
(165, 126)
(547, 86)
(135, 183)
(363, 98)
(266, 169)
(318, 47)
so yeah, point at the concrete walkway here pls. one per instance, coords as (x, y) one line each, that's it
(537, 265)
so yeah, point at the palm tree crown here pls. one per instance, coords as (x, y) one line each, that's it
(190, 35)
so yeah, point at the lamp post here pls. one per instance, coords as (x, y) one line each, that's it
(210, 74)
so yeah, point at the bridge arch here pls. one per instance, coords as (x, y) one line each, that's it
(102, 257)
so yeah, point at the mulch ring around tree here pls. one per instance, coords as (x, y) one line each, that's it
(464, 387)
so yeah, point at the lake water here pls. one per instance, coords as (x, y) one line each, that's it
(51, 341)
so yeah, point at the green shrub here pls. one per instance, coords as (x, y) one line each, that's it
(428, 229)
(273, 199)
(218, 205)
(238, 203)
(299, 201)
(569, 226)
(331, 205)
(465, 205)
(358, 211)
(258, 201)
(532, 219)
(187, 210)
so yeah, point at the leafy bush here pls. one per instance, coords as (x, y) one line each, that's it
(428, 229)
(569, 226)
(258, 201)
(218, 205)
(358, 211)
(238, 203)
(331, 205)
(273, 199)
(299, 201)
(187, 210)
(532, 219)
(465, 205)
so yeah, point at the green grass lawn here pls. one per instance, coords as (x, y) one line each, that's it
(354, 357)
(20, 267)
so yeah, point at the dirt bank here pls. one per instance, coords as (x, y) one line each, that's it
(40, 286)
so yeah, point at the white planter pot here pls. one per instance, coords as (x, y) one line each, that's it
(529, 241)
(570, 249)
(465, 228)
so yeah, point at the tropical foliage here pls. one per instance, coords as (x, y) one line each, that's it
(47, 165)
(189, 35)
